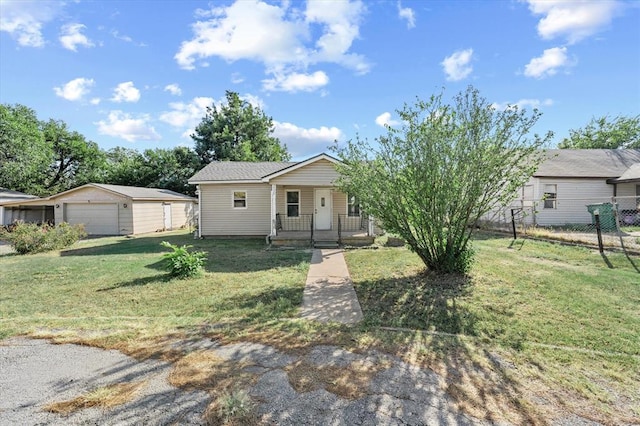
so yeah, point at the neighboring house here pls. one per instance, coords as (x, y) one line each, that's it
(115, 209)
(284, 201)
(28, 215)
(569, 180)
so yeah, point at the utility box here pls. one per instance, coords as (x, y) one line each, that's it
(607, 216)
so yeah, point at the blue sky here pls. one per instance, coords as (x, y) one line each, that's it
(139, 74)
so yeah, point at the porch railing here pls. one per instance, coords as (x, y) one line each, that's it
(352, 223)
(301, 223)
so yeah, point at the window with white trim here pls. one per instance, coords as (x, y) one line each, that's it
(239, 199)
(353, 206)
(293, 203)
(550, 196)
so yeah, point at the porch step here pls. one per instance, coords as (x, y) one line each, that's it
(325, 244)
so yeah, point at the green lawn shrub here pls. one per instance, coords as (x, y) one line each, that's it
(26, 238)
(182, 263)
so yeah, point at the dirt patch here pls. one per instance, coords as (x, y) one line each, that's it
(104, 397)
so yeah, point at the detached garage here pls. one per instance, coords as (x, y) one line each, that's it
(124, 210)
(120, 210)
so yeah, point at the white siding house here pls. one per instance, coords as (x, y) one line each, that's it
(568, 181)
(281, 200)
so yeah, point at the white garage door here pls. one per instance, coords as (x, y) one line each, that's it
(98, 218)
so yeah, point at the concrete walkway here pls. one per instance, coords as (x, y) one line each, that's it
(329, 294)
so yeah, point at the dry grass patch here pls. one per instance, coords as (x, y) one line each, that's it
(235, 408)
(204, 370)
(351, 382)
(104, 397)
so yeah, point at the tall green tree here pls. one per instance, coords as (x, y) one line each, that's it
(431, 179)
(237, 131)
(605, 133)
(74, 161)
(24, 154)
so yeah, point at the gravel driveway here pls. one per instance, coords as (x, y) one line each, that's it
(35, 373)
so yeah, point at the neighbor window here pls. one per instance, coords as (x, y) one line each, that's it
(239, 199)
(293, 203)
(353, 205)
(550, 196)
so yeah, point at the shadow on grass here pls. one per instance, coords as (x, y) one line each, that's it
(223, 255)
(270, 304)
(422, 301)
(429, 309)
(137, 282)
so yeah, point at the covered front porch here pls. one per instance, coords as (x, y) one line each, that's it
(317, 216)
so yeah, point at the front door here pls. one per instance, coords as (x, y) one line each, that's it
(323, 209)
(167, 216)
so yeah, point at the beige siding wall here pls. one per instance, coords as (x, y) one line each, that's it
(573, 197)
(182, 214)
(95, 195)
(320, 173)
(627, 196)
(339, 206)
(220, 218)
(148, 216)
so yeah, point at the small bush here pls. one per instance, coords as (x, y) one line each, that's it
(182, 263)
(28, 238)
(234, 405)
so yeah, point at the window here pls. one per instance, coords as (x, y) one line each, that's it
(353, 205)
(239, 199)
(293, 203)
(550, 196)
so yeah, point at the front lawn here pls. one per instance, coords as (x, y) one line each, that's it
(535, 331)
(558, 322)
(120, 284)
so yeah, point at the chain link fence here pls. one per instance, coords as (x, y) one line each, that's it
(573, 220)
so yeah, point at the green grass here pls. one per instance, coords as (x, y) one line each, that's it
(532, 321)
(120, 283)
(561, 315)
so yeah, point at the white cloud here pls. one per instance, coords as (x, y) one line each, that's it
(95, 101)
(384, 120)
(574, 19)
(523, 104)
(302, 142)
(186, 116)
(75, 89)
(549, 63)
(71, 37)
(24, 20)
(126, 92)
(174, 89)
(408, 14)
(237, 78)
(279, 36)
(456, 66)
(296, 82)
(124, 126)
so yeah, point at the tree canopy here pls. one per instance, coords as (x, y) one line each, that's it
(237, 131)
(605, 133)
(431, 180)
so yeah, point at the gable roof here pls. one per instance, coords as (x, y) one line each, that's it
(137, 192)
(251, 172)
(237, 171)
(8, 196)
(631, 175)
(587, 163)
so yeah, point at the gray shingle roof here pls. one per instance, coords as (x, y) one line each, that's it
(631, 175)
(136, 192)
(218, 171)
(582, 163)
(8, 196)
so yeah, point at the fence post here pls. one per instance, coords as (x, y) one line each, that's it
(596, 215)
(513, 224)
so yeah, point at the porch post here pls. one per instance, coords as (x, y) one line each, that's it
(273, 210)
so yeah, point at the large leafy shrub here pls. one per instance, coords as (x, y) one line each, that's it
(28, 238)
(182, 263)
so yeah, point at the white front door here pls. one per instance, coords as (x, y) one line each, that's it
(323, 209)
(167, 216)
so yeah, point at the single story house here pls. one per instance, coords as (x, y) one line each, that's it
(569, 180)
(8, 216)
(116, 209)
(287, 202)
